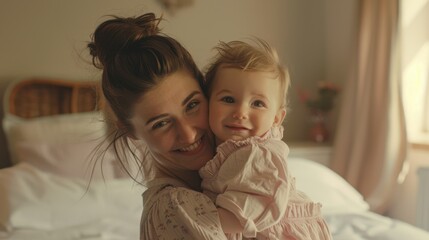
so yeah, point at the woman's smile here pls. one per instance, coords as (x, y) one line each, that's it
(191, 148)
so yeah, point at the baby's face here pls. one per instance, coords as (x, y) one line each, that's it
(244, 104)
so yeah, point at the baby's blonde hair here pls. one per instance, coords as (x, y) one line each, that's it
(260, 57)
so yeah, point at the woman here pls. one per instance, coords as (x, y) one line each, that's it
(154, 91)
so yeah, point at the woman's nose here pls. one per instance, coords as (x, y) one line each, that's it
(186, 132)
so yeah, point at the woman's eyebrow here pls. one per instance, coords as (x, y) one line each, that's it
(189, 97)
(156, 118)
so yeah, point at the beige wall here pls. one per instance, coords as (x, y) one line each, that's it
(341, 28)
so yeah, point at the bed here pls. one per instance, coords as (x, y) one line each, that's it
(51, 128)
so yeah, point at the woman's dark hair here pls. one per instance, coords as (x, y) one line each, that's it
(134, 56)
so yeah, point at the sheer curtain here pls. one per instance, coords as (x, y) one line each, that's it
(370, 144)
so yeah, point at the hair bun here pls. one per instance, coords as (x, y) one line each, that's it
(116, 34)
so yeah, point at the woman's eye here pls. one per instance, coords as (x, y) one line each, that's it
(192, 105)
(227, 99)
(259, 104)
(160, 124)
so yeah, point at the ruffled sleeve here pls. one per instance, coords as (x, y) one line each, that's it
(255, 185)
(172, 212)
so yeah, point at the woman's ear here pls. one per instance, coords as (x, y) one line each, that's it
(280, 116)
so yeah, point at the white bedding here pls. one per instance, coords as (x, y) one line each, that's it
(35, 204)
(344, 209)
(38, 205)
(367, 225)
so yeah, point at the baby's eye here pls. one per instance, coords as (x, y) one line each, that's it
(192, 106)
(227, 99)
(259, 104)
(160, 124)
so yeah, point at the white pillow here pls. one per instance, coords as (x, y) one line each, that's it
(61, 144)
(74, 160)
(30, 198)
(66, 128)
(323, 185)
(34, 199)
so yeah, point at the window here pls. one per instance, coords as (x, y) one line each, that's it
(415, 68)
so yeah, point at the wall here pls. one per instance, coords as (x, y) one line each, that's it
(341, 31)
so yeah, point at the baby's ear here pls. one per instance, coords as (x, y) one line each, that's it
(280, 116)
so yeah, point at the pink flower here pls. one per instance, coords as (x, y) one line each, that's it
(328, 85)
(303, 95)
(325, 99)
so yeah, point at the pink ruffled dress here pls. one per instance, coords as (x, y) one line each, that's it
(250, 179)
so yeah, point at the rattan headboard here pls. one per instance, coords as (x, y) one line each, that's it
(44, 97)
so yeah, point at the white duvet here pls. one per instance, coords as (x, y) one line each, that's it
(345, 210)
(37, 205)
(367, 225)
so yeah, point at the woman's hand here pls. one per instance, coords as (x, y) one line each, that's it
(229, 222)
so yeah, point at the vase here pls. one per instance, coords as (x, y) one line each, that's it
(318, 131)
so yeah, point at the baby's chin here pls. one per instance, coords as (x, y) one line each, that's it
(230, 137)
(235, 138)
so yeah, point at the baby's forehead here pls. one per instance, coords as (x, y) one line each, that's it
(245, 80)
(247, 70)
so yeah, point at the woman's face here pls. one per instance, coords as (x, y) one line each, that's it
(172, 119)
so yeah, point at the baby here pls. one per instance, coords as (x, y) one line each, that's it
(248, 178)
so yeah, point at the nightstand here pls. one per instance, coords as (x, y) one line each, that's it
(318, 152)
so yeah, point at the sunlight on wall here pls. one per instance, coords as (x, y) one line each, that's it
(410, 8)
(415, 75)
(415, 80)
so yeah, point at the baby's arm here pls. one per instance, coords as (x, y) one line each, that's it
(256, 188)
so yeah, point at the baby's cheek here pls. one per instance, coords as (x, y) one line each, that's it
(214, 116)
